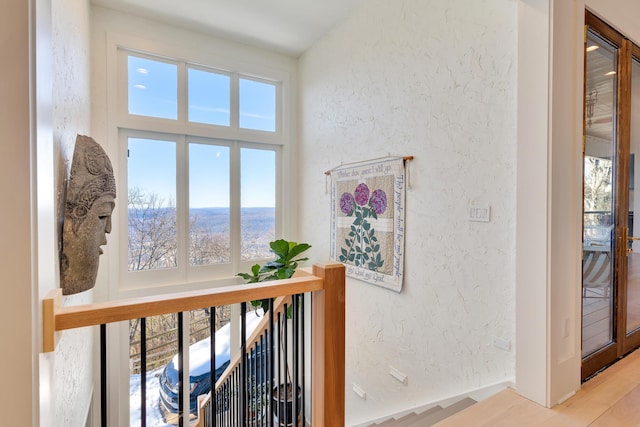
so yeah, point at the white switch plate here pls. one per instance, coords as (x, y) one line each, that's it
(480, 213)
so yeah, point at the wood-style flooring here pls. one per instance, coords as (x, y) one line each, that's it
(610, 399)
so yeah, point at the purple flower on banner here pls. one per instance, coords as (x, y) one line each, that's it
(346, 203)
(378, 201)
(362, 194)
(361, 247)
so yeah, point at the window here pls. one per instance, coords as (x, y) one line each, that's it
(153, 88)
(209, 97)
(257, 105)
(201, 149)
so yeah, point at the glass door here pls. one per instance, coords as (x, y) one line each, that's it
(599, 255)
(611, 250)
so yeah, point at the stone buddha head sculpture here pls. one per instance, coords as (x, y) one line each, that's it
(91, 194)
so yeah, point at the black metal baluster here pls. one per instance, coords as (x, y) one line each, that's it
(232, 401)
(302, 361)
(236, 400)
(253, 384)
(218, 406)
(270, 376)
(256, 389)
(212, 373)
(296, 354)
(279, 376)
(143, 372)
(286, 363)
(263, 390)
(243, 364)
(224, 403)
(234, 397)
(103, 375)
(180, 371)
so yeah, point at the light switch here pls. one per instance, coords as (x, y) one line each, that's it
(480, 213)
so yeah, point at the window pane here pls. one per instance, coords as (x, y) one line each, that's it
(257, 105)
(209, 214)
(153, 88)
(151, 200)
(598, 304)
(209, 98)
(258, 201)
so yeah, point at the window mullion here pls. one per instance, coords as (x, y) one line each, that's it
(235, 101)
(182, 204)
(235, 200)
(182, 93)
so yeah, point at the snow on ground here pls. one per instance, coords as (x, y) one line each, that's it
(154, 413)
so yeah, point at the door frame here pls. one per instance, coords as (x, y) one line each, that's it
(621, 343)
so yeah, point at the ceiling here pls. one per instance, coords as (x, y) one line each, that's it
(287, 26)
(600, 86)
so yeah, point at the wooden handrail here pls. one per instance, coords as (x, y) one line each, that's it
(58, 318)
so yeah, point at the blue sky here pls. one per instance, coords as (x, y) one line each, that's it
(153, 91)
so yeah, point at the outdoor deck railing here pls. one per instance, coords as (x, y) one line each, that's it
(325, 283)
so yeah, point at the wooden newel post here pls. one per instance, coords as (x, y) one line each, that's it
(328, 348)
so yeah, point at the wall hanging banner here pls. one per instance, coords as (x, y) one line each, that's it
(367, 220)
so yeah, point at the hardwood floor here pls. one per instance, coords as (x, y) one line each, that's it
(611, 398)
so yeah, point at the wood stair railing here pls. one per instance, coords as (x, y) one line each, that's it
(326, 283)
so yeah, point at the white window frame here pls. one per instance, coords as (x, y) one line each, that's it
(109, 123)
(122, 125)
(184, 272)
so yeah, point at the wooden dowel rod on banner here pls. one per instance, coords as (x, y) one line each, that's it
(405, 158)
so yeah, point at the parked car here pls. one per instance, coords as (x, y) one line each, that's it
(200, 366)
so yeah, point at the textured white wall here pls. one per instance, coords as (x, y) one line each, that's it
(436, 80)
(73, 362)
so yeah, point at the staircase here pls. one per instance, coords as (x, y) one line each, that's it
(426, 418)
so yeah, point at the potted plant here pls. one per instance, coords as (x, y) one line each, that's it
(283, 267)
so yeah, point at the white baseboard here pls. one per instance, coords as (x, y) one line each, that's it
(475, 394)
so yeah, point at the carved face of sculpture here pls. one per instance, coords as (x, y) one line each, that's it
(90, 202)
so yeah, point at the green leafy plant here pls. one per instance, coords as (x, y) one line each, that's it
(283, 267)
